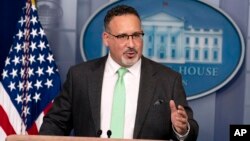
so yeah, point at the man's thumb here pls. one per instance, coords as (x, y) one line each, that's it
(172, 106)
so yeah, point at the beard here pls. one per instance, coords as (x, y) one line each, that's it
(130, 57)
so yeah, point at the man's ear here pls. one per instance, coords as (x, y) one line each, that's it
(105, 37)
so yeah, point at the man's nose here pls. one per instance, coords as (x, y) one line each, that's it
(131, 42)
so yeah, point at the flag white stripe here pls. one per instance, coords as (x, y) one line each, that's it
(9, 108)
(39, 121)
(2, 134)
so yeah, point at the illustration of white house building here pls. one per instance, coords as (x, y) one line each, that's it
(168, 40)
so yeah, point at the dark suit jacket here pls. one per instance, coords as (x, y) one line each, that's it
(78, 105)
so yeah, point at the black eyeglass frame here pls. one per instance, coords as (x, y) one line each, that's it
(135, 35)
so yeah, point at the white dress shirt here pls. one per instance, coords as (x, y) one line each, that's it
(131, 80)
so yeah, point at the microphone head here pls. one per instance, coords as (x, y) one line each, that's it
(109, 133)
(99, 133)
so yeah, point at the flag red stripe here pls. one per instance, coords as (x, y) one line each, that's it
(5, 123)
(33, 130)
(46, 110)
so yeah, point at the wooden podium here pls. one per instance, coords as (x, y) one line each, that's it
(62, 138)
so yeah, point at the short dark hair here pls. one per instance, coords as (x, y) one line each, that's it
(119, 10)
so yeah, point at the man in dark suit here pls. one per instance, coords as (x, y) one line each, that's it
(155, 104)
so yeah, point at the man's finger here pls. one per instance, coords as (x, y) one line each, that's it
(181, 111)
(181, 107)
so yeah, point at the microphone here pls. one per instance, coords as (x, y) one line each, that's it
(109, 133)
(99, 133)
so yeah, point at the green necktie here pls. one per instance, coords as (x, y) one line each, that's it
(118, 108)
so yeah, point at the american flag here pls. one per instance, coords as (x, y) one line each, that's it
(30, 78)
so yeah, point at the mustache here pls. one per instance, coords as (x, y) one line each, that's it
(129, 50)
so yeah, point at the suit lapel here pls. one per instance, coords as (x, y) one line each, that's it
(146, 92)
(95, 89)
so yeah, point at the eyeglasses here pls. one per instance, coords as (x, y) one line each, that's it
(124, 37)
